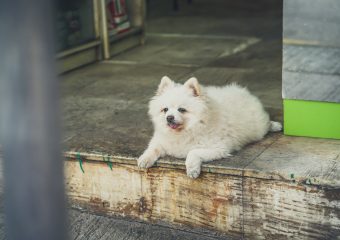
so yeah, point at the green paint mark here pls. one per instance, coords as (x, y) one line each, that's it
(108, 162)
(311, 118)
(80, 162)
(292, 175)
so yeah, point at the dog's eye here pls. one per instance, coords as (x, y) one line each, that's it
(165, 110)
(182, 110)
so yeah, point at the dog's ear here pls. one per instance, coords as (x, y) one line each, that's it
(166, 83)
(194, 86)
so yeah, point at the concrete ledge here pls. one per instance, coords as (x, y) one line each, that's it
(277, 157)
(233, 205)
(289, 190)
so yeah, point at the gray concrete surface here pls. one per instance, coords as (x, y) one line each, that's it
(84, 225)
(105, 105)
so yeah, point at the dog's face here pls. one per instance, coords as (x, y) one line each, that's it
(177, 107)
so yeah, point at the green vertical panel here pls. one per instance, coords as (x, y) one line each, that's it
(311, 118)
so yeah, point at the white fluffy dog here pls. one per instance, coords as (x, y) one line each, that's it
(202, 124)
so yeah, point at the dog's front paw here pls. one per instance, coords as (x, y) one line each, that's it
(193, 168)
(145, 162)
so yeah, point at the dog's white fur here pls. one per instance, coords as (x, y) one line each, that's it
(217, 121)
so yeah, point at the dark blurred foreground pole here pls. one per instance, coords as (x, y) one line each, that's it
(29, 126)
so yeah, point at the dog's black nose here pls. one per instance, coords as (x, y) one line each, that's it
(170, 118)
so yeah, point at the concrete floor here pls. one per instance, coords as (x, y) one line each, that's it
(84, 225)
(105, 104)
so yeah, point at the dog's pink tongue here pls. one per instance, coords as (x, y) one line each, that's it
(173, 125)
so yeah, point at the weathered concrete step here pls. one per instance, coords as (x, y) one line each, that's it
(289, 190)
(83, 225)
